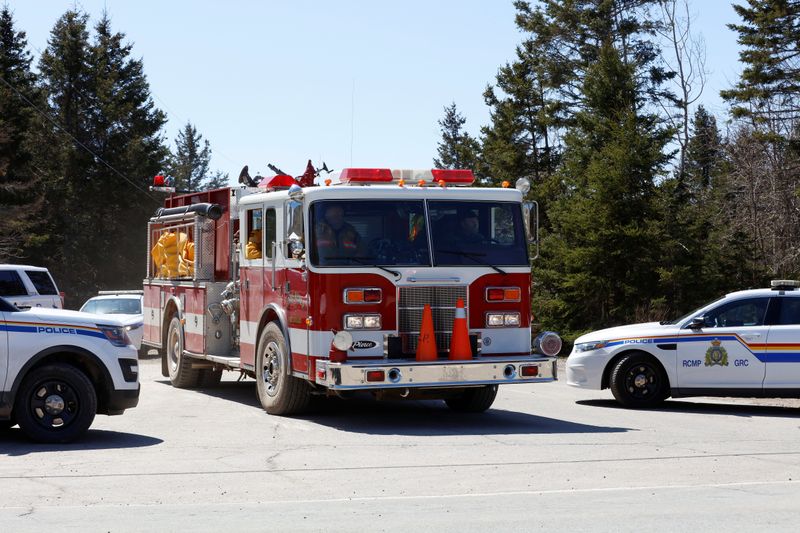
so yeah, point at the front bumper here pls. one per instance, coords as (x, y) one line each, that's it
(585, 369)
(121, 399)
(435, 374)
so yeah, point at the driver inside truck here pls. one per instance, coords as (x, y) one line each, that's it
(335, 236)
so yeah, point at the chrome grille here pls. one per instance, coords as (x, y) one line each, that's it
(442, 300)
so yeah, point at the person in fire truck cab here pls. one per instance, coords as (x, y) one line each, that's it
(468, 228)
(335, 236)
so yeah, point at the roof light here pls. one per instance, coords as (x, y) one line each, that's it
(784, 284)
(280, 181)
(365, 175)
(454, 176)
(523, 185)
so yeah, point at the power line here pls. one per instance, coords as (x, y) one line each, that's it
(60, 127)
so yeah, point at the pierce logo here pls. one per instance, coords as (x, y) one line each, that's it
(363, 345)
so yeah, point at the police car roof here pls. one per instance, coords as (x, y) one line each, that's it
(8, 266)
(749, 293)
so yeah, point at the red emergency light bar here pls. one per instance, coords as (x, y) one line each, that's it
(366, 175)
(456, 176)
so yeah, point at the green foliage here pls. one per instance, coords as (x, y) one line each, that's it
(457, 149)
(189, 164)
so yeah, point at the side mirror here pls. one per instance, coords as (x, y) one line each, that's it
(530, 216)
(296, 249)
(698, 322)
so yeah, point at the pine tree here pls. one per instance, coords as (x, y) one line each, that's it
(19, 183)
(769, 88)
(457, 149)
(600, 259)
(190, 163)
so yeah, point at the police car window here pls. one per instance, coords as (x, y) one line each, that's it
(11, 284)
(41, 280)
(90, 307)
(741, 313)
(790, 312)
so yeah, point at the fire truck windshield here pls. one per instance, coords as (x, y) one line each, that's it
(364, 233)
(357, 233)
(472, 232)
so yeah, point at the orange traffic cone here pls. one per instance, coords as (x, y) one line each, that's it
(426, 346)
(460, 348)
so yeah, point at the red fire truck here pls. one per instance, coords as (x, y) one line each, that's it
(323, 289)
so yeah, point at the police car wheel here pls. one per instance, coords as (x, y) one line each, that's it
(6, 424)
(474, 400)
(55, 404)
(639, 381)
(278, 392)
(181, 373)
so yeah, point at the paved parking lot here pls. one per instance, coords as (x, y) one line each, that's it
(545, 457)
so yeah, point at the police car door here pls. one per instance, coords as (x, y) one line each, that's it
(783, 346)
(728, 351)
(3, 343)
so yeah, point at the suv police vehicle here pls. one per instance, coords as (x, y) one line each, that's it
(745, 344)
(59, 368)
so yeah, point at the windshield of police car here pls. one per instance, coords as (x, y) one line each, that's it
(473, 233)
(375, 232)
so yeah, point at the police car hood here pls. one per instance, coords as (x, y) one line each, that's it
(66, 316)
(623, 332)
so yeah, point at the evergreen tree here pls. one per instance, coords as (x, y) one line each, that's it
(19, 183)
(600, 258)
(190, 162)
(457, 149)
(769, 88)
(101, 156)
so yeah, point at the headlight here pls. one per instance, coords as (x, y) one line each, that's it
(116, 335)
(589, 346)
(498, 320)
(362, 321)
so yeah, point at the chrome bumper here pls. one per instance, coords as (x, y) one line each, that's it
(437, 374)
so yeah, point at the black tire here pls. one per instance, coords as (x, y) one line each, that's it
(475, 400)
(55, 404)
(278, 392)
(181, 373)
(638, 381)
(5, 425)
(144, 352)
(210, 377)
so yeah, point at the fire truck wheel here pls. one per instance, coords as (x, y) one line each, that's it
(181, 373)
(56, 403)
(476, 400)
(279, 393)
(638, 381)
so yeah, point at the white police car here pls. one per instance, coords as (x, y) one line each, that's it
(59, 368)
(746, 344)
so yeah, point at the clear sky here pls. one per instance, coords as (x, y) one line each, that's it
(350, 82)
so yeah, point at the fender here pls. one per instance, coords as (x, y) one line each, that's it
(282, 321)
(7, 397)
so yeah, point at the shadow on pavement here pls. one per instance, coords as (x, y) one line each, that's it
(699, 407)
(364, 414)
(14, 443)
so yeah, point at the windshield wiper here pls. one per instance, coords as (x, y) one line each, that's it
(474, 256)
(364, 261)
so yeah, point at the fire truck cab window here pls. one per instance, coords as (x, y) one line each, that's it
(294, 229)
(255, 238)
(362, 233)
(474, 233)
(270, 232)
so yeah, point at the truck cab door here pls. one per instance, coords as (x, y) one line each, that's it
(294, 288)
(728, 351)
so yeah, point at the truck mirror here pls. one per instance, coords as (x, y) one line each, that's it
(530, 213)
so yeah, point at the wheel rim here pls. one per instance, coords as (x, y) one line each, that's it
(642, 381)
(174, 348)
(271, 368)
(54, 404)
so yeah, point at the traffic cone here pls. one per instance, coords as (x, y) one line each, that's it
(460, 348)
(426, 346)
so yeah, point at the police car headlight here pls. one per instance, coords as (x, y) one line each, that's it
(589, 346)
(116, 335)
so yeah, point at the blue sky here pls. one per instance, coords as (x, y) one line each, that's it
(350, 82)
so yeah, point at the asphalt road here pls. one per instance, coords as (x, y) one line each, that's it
(545, 457)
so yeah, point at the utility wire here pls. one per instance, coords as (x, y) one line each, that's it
(60, 127)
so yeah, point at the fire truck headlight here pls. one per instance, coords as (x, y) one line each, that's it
(362, 321)
(499, 320)
(511, 319)
(494, 320)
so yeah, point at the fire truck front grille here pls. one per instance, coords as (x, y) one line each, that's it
(443, 308)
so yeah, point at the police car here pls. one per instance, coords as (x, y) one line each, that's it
(59, 368)
(745, 344)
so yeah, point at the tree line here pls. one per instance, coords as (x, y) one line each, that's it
(650, 207)
(80, 142)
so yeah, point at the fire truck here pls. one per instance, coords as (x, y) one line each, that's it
(404, 283)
